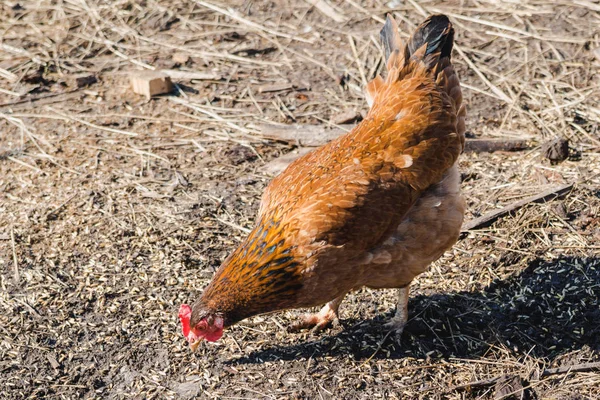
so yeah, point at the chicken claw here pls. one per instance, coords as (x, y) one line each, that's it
(317, 322)
(396, 325)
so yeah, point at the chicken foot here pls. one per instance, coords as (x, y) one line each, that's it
(321, 320)
(398, 321)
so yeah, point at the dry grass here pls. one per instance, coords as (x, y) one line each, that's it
(114, 209)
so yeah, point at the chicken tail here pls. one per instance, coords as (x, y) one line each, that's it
(431, 42)
(436, 33)
(429, 46)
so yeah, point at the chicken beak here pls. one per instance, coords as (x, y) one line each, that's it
(194, 345)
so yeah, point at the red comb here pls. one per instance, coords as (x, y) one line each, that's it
(185, 313)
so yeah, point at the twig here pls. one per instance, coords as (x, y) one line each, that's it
(378, 348)
(559, 39)
(102, 128)
(196, 107)
(189, 75)
(326, 9)
(364, 10)
(58, 208)
(10, 92)
(357, 60)
(32, 310)
(233, 225)
(14, 253)
(489, 218)
(44, 99)
(23, 163)
(274, 167)
(249, 23)
(6, 74)
(495, 89)
(318, 135)
(21, 52)
(492, 145)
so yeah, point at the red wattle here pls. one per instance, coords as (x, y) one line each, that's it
(185, 314)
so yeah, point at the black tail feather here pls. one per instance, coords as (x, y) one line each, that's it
(437, 32)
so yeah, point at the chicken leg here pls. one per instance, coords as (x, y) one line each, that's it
(319, 321)
(398, 321)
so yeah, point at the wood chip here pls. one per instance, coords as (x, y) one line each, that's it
(151, 83)
(52, 360)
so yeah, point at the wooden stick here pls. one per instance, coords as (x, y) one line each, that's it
(44, 98)
(318, 135)
(492, 145)
(489, 218)
(190, 75)
(585, 367)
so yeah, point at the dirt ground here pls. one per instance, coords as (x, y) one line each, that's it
(115, 209)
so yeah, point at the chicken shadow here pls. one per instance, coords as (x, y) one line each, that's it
(548, 309)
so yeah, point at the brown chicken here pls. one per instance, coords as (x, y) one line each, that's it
(373, 208)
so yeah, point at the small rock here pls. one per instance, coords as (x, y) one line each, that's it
(52, 361)
(239, 154)
(84, 81)
(556, 150)
(181, 58)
